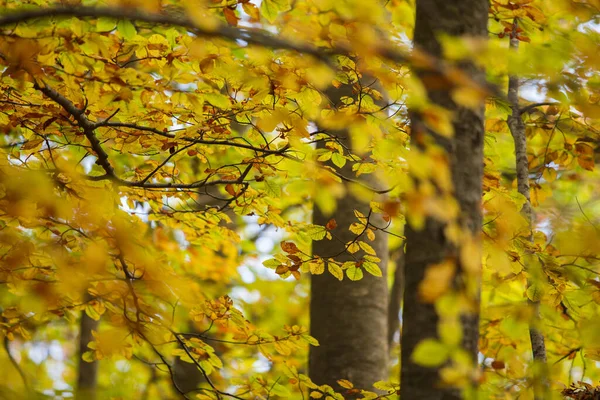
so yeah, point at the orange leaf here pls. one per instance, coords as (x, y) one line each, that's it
(229, 188)
(230, 16)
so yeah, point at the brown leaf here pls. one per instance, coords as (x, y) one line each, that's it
(289, 247)
(331, 224)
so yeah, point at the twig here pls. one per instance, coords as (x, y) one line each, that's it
(529, 107)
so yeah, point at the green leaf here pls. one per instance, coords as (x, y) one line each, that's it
(430, 353)
(88, 356)
(338, 159)
(270, 9)
(315, 232)
(354, 274)
(535, 292)
(311, 340)
(279, 390)
(126, 29)
(105, 24)
(272, 188)
(271, 263)
(218, 100)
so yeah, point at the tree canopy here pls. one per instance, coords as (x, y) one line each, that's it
(161, 160)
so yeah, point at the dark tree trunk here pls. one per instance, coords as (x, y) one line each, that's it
(429, 245)
(187, 376)
(87, 372)
(349, 319)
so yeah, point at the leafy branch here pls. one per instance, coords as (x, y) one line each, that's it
(255, 37)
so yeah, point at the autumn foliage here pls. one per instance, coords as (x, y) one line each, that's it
(160, 162)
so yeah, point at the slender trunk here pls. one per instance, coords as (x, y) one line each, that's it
(430, 245)
(396, 297)
(517, 129)
(349, 319)
(186, 376)
(87, 372)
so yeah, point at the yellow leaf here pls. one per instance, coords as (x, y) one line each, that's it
(437, 281)
(469, 97)
(361, 217)
(372, 268)
(371, 234)
(356, 228)
(346, 384)
(367, 248)
(450, 332)
(438, 120)
(470, 255)
(317, 267)
(353, 247)
(335, 270)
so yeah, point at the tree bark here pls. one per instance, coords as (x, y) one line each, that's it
(396, 297)
(517, 130)
(349, 319)
(430, 245)
(87, 372)
(186, 376)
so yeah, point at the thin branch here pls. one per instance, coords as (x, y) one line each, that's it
(16, 364)
(191, 140)
(529, 107)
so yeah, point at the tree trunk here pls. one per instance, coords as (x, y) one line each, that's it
(349, 319)
(517, 129)
(430, 245)
(186, 376)
(87, 372)
(396, 296)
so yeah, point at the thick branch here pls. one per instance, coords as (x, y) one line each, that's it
(250, 36)
(87, 126)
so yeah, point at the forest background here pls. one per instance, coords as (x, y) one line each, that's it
(232, 199)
